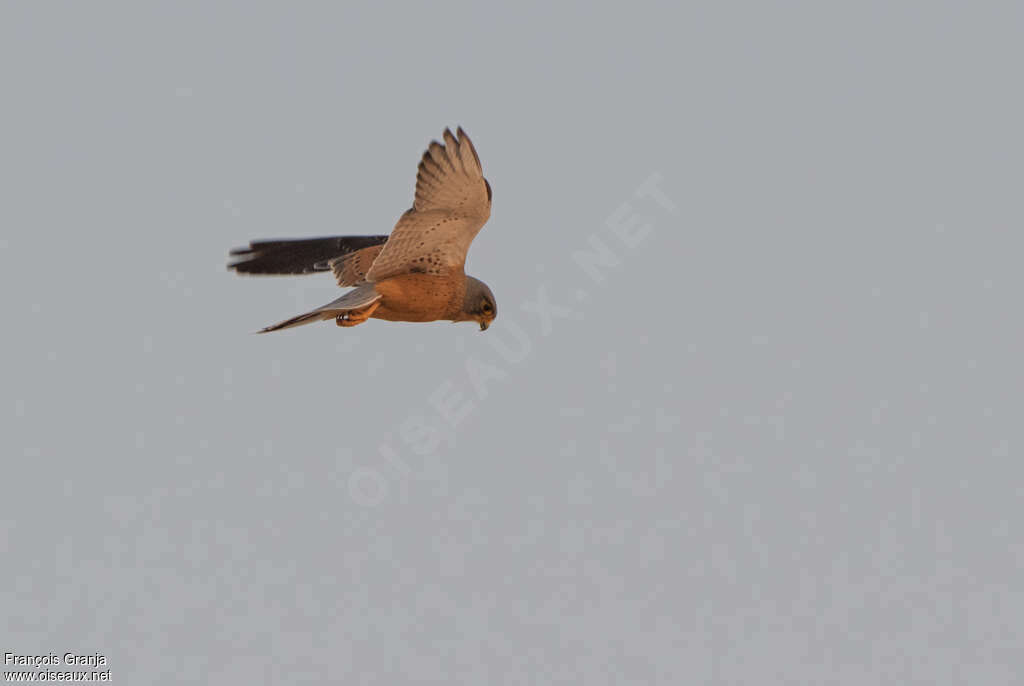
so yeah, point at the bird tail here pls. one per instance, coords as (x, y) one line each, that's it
(356, 299)
(307, 318)
(297, 256)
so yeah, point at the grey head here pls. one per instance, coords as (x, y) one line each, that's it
(479, 304)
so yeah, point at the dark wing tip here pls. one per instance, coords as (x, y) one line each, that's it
(297, 256)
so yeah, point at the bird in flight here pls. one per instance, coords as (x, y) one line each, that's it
(414, 275)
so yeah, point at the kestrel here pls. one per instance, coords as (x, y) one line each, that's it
(415, 274)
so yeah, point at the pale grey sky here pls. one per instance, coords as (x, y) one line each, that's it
(774, 440)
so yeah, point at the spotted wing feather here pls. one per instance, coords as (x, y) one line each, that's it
(451, 204)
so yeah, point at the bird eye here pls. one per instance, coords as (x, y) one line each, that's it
(487, 308)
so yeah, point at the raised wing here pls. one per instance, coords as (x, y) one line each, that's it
(452, 203)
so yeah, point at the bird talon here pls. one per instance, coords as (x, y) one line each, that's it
(356, 317)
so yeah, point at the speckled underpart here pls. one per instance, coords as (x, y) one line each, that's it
(420, 298)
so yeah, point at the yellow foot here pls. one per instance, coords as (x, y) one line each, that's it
(356, 317)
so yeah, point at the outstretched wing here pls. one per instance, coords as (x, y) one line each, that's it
(452, 203)
(299, 256)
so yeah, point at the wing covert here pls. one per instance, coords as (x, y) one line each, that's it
(451, 204)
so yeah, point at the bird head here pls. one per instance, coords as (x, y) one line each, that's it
(479, 304)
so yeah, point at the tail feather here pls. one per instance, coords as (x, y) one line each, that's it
(307, 318)
(356, 299)
(299, 256)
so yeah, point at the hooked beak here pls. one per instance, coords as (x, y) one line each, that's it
(484, 325)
